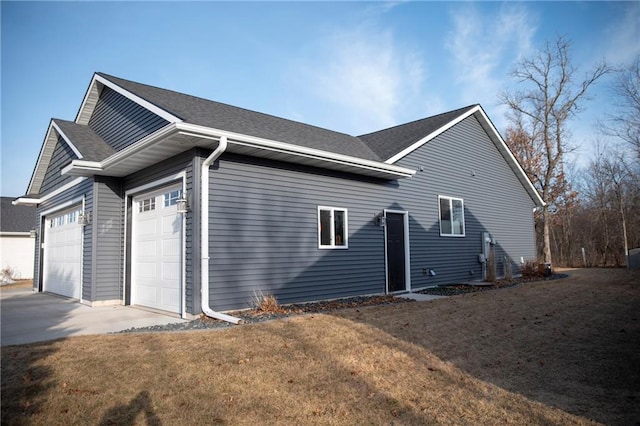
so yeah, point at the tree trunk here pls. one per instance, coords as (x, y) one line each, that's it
(545, 234)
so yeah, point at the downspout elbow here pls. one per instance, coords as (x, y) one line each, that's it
(204, 237)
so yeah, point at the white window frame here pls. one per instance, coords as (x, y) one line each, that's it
(333, 245)
(451, 200)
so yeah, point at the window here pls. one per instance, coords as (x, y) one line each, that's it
(332, 228)
(147, 204)
(451, 216)
(171, 198)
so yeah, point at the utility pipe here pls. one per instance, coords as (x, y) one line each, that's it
(204, 236)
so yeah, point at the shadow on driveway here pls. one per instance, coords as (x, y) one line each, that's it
(28, 317)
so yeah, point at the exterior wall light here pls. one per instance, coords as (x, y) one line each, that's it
(84, 218)
(380, 219)
(182, 205)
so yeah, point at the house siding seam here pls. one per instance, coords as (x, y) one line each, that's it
(464, 163)
(84, 189)
(120, 121)
(180, 163)
(53, 178)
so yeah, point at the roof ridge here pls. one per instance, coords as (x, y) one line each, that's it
(466, 108)
(222, 103)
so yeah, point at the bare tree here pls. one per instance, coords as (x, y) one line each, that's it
(552, 95)
(624, 121)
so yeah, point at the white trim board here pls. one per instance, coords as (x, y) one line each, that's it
(88, 102)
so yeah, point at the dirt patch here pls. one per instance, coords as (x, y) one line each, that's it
(557, 352)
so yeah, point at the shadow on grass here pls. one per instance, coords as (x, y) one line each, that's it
(127, 414)
(571, 344)
(25, 383)
(25, 378)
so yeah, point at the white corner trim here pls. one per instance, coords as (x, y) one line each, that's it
(431, 135)
(67, 140)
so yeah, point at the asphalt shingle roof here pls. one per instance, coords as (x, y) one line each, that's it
(91, 146)
(388, 142)
(221, 116)
(16, 218)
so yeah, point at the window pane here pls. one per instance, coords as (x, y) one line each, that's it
(445, 216)
(458, 217)
(338, 218)
(325, 227)
(171, 198)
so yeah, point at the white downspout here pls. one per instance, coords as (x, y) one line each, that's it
(204, 236)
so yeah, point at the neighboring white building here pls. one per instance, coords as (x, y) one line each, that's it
(17, 243)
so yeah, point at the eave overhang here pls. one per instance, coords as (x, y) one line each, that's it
(179, 137)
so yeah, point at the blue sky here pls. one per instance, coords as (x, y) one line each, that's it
(353, 67)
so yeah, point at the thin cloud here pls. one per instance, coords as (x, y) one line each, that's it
(624, 37)
(367, 78)
(484, 47)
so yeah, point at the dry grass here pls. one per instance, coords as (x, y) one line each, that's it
(558, 352)
(18, 284)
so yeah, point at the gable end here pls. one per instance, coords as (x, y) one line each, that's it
(62, 155)
(120, 121)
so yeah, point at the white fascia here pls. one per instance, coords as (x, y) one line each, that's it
(431, 135)
(94, 166)
(67, 140)
(148, 105)
(271, 145)
(29, 201)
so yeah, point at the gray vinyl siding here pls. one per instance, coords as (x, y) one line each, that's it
(108, 233)
(62, 155)
(120, 121)
(182, 162)
(264, 234)
(464, 163)
(85, 188)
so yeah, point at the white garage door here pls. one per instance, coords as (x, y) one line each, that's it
(63, 254)
(157, 250)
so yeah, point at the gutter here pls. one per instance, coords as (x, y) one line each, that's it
(204, 235)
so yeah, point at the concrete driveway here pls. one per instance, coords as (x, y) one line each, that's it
(27, 317)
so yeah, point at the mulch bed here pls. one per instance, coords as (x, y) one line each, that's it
(456, 289)
(254, 315)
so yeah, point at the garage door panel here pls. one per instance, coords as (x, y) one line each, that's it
(157, 252)
(146, 249)
(146, 226)
(171, 248)
(171, 225)
(63, 254)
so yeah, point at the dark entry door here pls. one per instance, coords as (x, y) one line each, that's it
(395, 252)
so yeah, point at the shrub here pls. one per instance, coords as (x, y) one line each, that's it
(266, 303)
(530, 269)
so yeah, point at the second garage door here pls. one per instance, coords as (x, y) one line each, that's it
(157, 250)
(63, 253)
